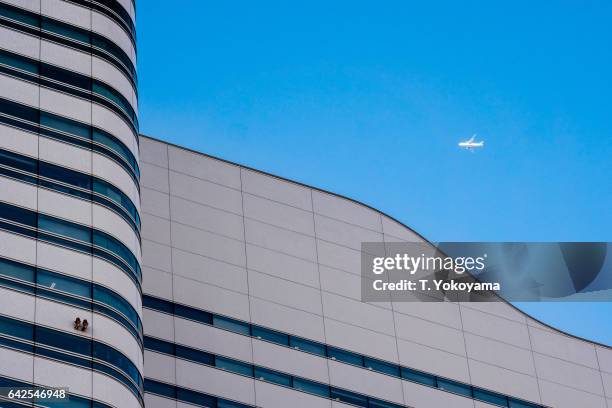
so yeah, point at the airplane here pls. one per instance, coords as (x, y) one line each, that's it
(471, 144)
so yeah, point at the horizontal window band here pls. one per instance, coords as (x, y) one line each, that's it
(71, 235)
(69, 35)
(69, 82)
(72, 349)
(190, 396)
(332, 353)
(70, 131)
(114, 10)
(70, 182)
(74, 401)
(70, 290)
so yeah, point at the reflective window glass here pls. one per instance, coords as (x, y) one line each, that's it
(345, 356)
(272, 376)
(231, 325)
(270, 335)
(307, 345)
(453, 386)
(348, 397)
(381, 366)
(234, 366)
(311, 387)
(418, 376)
(64, 283)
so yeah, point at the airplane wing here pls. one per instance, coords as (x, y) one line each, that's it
(472, 138)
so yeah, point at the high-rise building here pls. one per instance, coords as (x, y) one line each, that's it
(249, 290)
(70, 200)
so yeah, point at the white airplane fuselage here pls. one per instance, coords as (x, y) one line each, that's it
(471, 145)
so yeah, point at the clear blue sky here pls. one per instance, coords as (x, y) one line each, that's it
(369, 99)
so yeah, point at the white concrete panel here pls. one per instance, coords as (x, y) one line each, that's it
(64, 206)
(270, 355)
(276, 189)
(112, 31)
(281, 265)
(285, 292)
(276, 396)
(19, 141)
(106, 72)
(17, 305)
(496, 328)
(366, 382)
(499, 308)
(357, 313)
(280, 215)
(214, 381)
(208, 244)
(67, 12)
(158, 324)
(65, 57)
(504, 381)
(421, 396)
(155, 229)
(559, 396)
(566, 373)
(19, 91)
(65, 155)
(156, 255)
(17, 192)
(445, 313)
(17, 247)
(204, 167)
(14, 40)
(206, 218)
(361, 340)
(346, 210)
(329, 229)
(56, 374)
(160, 366)
(394, 231)
(205, 192)
(61, 316)
(213, 339)
(154, 152)
(211, 298)
(110, 276)
(427, 333)
(563, 347)
(208, 270)
(428, 359)
(64, 260)
(17, 365)
(155, 203)
(500, 354)
(287, 319)
(114, 334)
(156, 283)
(344, 283)
(65, 105)
(606, 378)
(154, 177)
(604, 356)
(339, 257)
(113, 392)
(108, 120)
(287, 242)
(111, 223)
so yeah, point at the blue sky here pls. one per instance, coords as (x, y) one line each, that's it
(369, 99)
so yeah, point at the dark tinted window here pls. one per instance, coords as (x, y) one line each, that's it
(307, 345)
(231, 325)
(270, 335)
(195, 397)
(64, 228)
(495, 398)
(55, 281)
(519, 404)
(193, 314)
(157, 387)
(272, 376)
(345, 356)
(381, 366)
(63, 341)
(16, 328)
(198, 356)
(311, 387)
(17, 270)
(65, 125)
(18, 161)
(349, 397)
(157, 304)
(158, 345)
(234, 366)
(65, 30)
(17, 214)
(418, 376)
(455, 387)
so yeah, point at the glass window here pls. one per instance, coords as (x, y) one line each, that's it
(104, 295)
(270, 335)
(491, 397)
(17, 214)
(64, 283)
(18, 161)
(65, 30)
(193, 314)
(17, 270)
(16, 328)
(65, 125)
(234, 366)
(64, 228)
(455, 387)
(222, 403)
(19, 15)
(349, 397)
(157, 304)
(17, 61)
(272, 376)
(345, 356)
(514, 403)
(156, 387)
(231, 325)
(311, 387)
(19, 111)
(63, 341)
(111, 244)
(194, 397)
(154, 344)
(381, 366)
(110, 141)
(64, 175)
(197, 356)
(307, 345)
(63, 75)
(418, 376)
(374, 403)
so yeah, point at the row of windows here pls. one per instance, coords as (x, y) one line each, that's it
(190, 396)
(67, 130)
(57, 31)
(70, 182)
(73, 401)
(77, 292)
(333, 353)
(81, 351)
(115, 11)
(81, 86)
(72, 235)
(265, 374)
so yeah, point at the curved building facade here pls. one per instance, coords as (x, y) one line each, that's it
(251, 298)
(70, 201)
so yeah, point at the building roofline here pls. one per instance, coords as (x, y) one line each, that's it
(373, 209)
